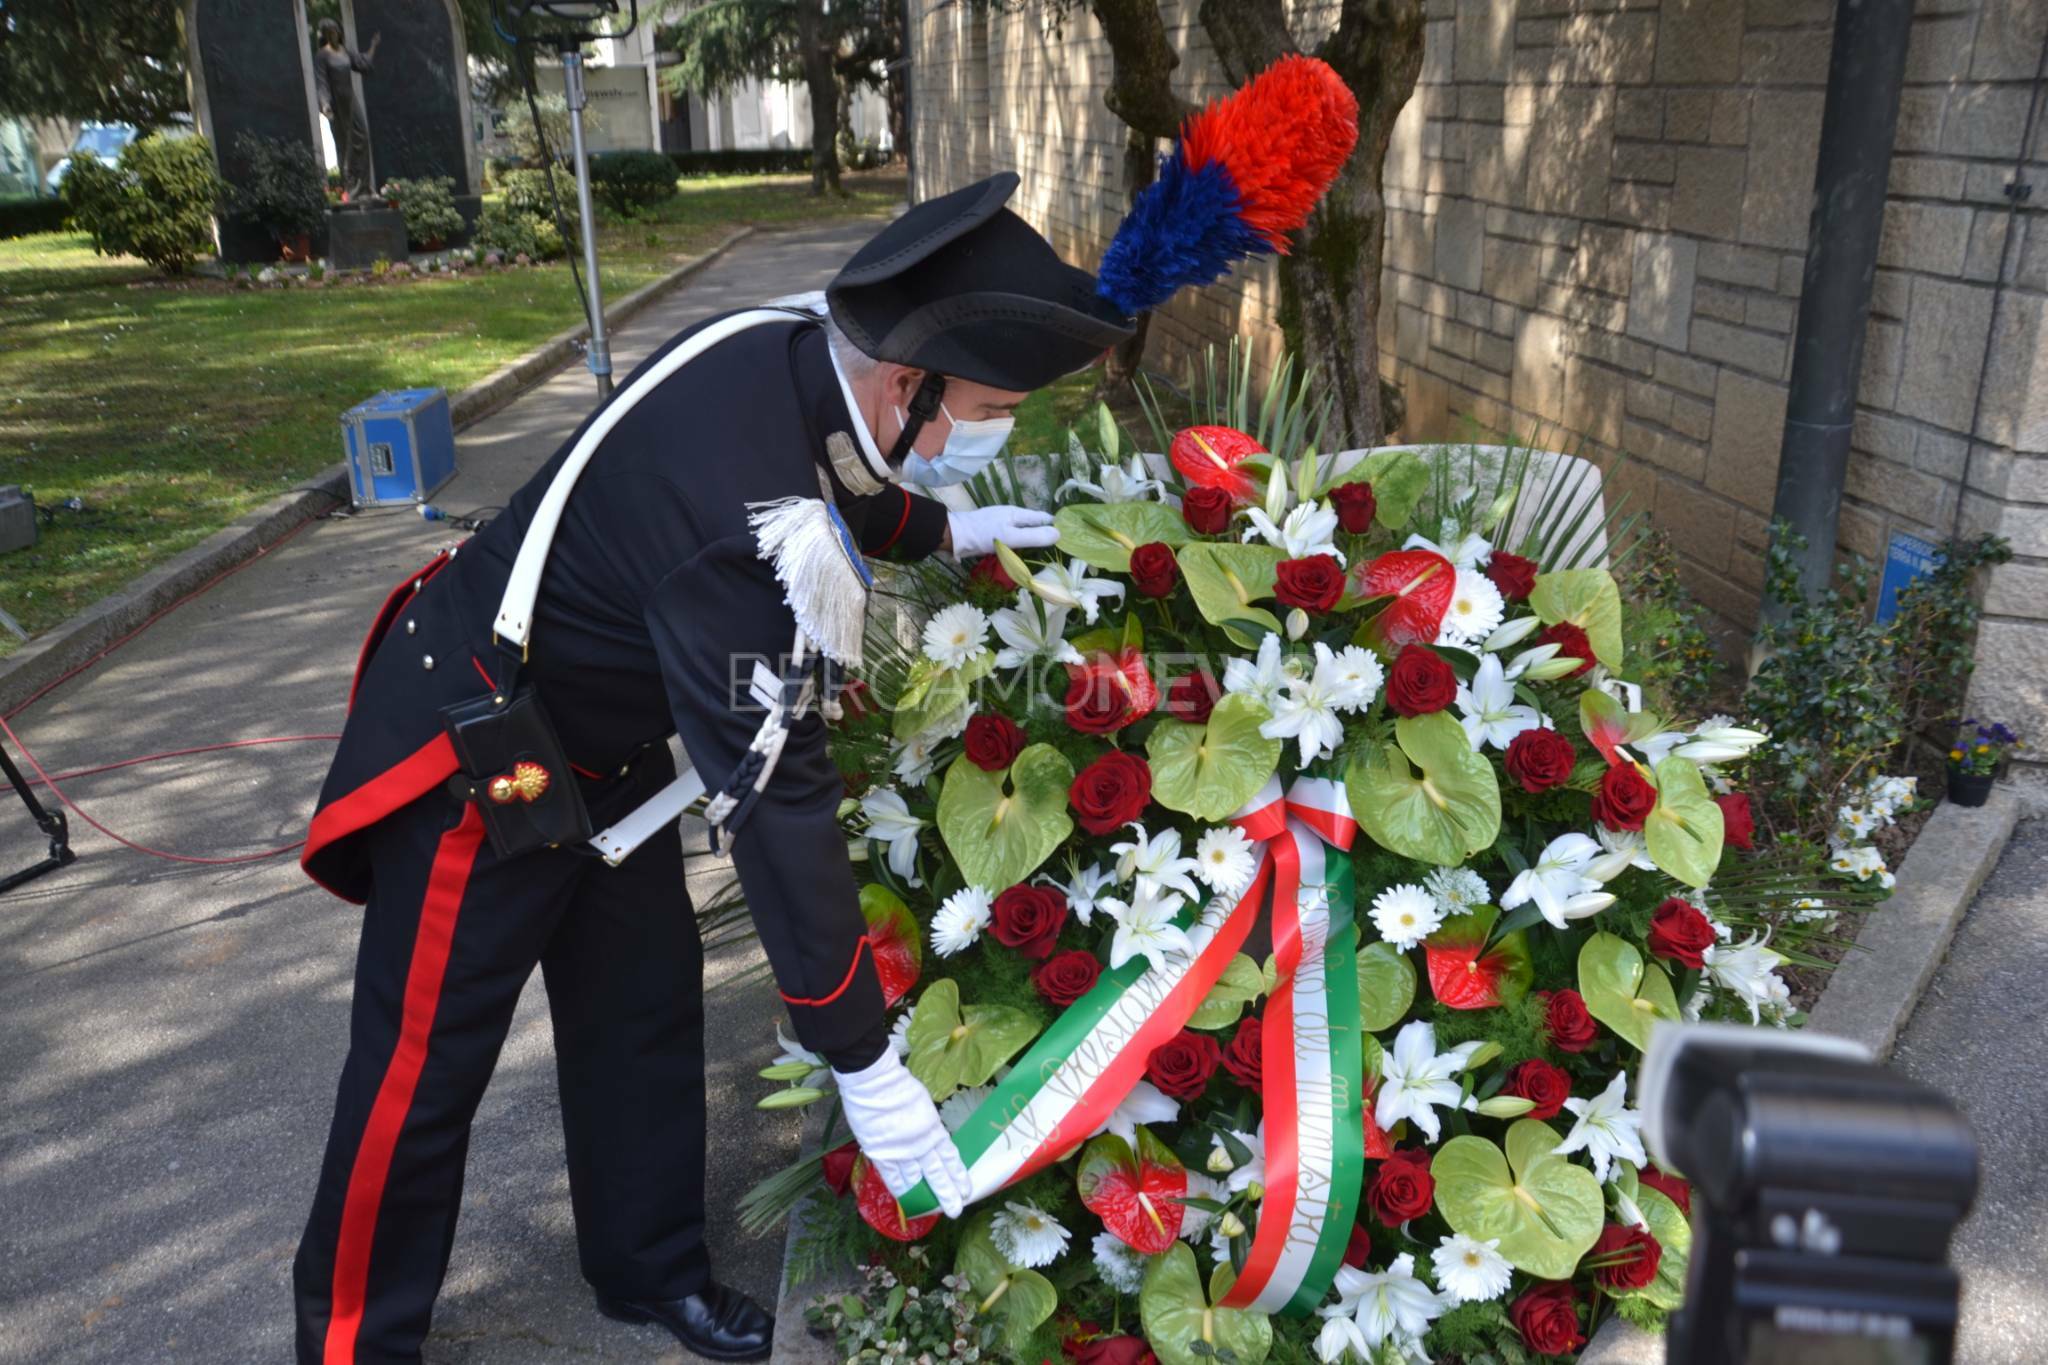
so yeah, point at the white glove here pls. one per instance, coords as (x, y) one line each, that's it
(975, 533)
(897, 1126)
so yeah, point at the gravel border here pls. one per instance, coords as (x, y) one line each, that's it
(120, 613)
(1868, 998)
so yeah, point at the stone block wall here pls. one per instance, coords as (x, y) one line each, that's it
(1597, 226)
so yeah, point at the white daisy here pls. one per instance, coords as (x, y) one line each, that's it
(1263, 680)
(1309, 529)
(1117, 484)
(1492, 715)
(891, 823)
(1405, 915)
(1146, 1103)
(1457, 889)
(1083, 887)
(1471, 1271)
(1475, 612)
(1030, 631)
(1027, 1235)
(1071, 586)
(1117, 1265)
(1155, 862)
(1224, 861)
(1356, 673)
(1145, 928)
(1607, 1128)
(1749, 969)
(959, 922)
(955, 634)
(961, 1104)
(1417, 1078)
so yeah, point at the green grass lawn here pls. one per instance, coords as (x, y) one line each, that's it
(172, 407)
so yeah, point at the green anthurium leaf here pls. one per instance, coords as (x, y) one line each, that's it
(934, 691)
(1241, 983)
(1375, 1058)
(1589, 599)
(1386, 986)
(1621, 990)
(1450, 811)
(1105, 533)
(1546, 1212)
(1684, 831)
(1000, 826)
(1017, 1299)
(1177, 1314)
(1226, 580)
(1208, 771)
(1673, 1231)
(1399, 478)
(1643, 724)
(952, 1047)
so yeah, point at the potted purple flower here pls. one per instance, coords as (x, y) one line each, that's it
(1975, 758)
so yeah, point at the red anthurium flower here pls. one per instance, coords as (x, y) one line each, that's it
(1207, 457)
(1137, 1192)
(880, 1210)
(1378, 1147)
(1421, 582)
(1466, 978)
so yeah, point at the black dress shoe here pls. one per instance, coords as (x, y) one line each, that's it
(718, 1323)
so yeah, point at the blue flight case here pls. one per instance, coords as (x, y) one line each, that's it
(400, 446)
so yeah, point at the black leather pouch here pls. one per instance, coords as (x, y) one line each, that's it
(516, 772)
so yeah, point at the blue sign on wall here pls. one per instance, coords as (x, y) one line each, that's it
(1907, 558)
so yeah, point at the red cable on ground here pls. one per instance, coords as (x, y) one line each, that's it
(181, 753)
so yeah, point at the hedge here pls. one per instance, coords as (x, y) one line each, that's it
(765, 161)
(20, 217)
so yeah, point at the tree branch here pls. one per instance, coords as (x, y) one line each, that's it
(1249, 35)
(1142, 65)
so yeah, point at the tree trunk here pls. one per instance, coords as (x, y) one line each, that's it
(822, 83)
(898, 67)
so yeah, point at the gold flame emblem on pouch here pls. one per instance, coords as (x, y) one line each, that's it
(526, 782)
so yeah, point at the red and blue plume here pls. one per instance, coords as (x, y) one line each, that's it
(1242, 175)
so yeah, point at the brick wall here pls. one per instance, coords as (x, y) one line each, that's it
(1597, 224)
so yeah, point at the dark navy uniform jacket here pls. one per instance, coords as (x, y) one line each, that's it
(653, 590)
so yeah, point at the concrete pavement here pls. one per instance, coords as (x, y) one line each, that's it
(170, 1035)
(1977, 1036)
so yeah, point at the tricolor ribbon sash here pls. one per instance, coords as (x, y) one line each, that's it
(1066, 1086)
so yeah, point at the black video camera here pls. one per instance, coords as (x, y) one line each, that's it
(1825, 1190)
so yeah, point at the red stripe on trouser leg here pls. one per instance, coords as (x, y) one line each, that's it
(436, 935)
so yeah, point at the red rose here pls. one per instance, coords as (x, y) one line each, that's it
(1182, 1065)
(1564, 1015)
(1115, 1351)
(1738, 823)
(1065, 977)
(1153, 569)
(1354, 504)
(1028, 918)
(1096, 704)
(1192, 697)
(1402, 1188)
(1681, 933)
(1313, 584)
(989, 569)
(1246, 1053)
(1545, 1085)
(1110, 792)
(1625, 798)
(838, 1165)
(1540, 759)
(1206, 510)
(1512, 574)
(1670, 1186)
(1636, 1255)
(993, 741)
(1358, 1248)
(1547, 1316)
(1571, 643)
(1420, 682)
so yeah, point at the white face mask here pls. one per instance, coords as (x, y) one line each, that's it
(970, 448)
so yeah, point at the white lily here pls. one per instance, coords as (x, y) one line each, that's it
(1156, 862)
(1253, 1170)
(793, 1051)
(1464, 550)
(1511, 633)
(1606, 1128)
(1492, 716)
(1083, 887)
(1418, 1078)
(914, 758)
(1263, 679)
(1025, 637)
(1390, 1305)
(1622, 850)
(1720, 743)
(1145, 1104)
(1556, 877)
(1306, 714)
(1309, 529)
(1529, 659)
(1750, 970)
(890, 822)
(1071, 586)
(1145, 928)
(1656, 748)
(1117, 484)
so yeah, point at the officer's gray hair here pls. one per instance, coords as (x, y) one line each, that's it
(857, 364)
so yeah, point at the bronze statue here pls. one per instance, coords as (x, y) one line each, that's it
(333, 63)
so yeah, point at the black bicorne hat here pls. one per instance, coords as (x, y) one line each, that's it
(959, 285)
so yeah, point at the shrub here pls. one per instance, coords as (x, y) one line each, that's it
(1664, 629)
(285, 189)
(156, 202)
(428, 206)
(510, 233)
(627, 182)
(526, 191)
(20, 217)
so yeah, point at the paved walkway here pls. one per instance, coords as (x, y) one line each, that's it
(170, 1035)
(1978, 1036)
